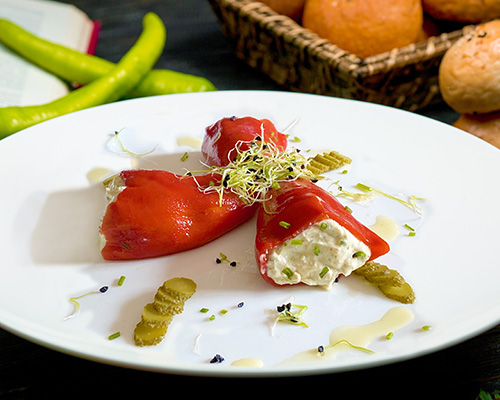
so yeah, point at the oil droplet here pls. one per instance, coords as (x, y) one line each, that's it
(385, 227)
(97, 175)
(343, 339)
(248, 362)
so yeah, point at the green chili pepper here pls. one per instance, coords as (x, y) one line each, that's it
(120, 80)
(76, 67)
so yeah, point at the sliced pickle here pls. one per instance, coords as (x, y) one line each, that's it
(325, 162)
(379, 274)
(389, 281)
(162, 295)
(148, 335)
(179, 288)
(151, 316)
(156, 316)
(163, 306)
(403, 293)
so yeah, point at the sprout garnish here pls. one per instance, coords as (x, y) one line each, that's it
(254, 171)
(286, 314)
(322, 349)
(369, 192)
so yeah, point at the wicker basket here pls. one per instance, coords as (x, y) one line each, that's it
(299, 60)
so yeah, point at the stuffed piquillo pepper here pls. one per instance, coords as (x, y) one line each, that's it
(305, 235)
(154, 213)
(223, 137)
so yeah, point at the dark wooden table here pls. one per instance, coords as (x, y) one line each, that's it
(196, 45)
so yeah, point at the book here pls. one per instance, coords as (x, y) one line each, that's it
(22, 83)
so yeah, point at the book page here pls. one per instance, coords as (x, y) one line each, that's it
(22, 83)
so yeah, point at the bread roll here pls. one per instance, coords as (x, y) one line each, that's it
(486, 126)
(469, 74)
(473, 11)
(290, 8)
(365, 27)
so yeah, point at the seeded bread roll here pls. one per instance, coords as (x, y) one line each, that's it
(473, 11)
(469, 74)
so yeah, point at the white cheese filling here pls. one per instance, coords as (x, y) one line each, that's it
(317, 256)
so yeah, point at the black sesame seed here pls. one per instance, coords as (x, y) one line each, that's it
(103, 289)
(217, 359)
(232, 263)
(240, 304)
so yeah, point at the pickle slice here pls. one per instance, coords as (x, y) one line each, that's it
(389, 281)
(379, 274)
(151, 316)
(325, 162)
(164, 306)
(402, 293)
(179, 288)
(165, 296)
(148, 335)
(156, 316)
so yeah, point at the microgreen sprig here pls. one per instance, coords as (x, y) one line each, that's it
(369, 192)
(257, 167)
(286, 314)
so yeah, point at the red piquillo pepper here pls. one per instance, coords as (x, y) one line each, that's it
(296, 206)
(221, 138)
(159, 213)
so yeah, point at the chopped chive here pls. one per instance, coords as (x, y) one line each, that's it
(348, 209)
(411, 229)
(212, 317)
(288, 272)
(121, 280)
(323, 225)
(296, 139)
(316, 250)
(323, 272)
(204, 310)
(184, 157)
(114, 336)
(389, 335)
(285, 224)
(296, 241)
(359, 254)
(426, 328)
(223, 312)
(363, 187)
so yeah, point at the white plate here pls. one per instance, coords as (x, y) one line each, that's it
(50, 214)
